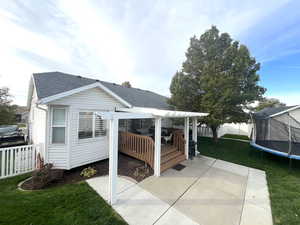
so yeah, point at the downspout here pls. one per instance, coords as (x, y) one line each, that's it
(46, 133)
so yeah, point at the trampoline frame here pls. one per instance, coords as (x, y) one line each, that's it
(275, 152)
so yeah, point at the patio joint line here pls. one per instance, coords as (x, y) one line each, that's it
(188, 188)
(127, 188)
(244, 200)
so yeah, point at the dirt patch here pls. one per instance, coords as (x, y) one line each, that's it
(127, 166)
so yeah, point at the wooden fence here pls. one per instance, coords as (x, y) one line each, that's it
(18, 160)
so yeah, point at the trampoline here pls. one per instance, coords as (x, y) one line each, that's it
(277, 131)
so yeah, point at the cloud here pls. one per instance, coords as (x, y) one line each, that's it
(140, 41)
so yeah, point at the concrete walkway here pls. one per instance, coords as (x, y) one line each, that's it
(206, 192)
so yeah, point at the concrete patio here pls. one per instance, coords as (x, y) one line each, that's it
(207, 192)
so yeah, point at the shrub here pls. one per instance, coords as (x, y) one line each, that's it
(88, 172)
(43, 176)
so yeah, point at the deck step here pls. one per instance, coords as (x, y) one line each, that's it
(174, 161)
(168, 150)
(169, 156)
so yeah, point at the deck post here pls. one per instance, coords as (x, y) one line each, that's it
(186, 136)
(195, 133)
(113, 159)
(157, 146)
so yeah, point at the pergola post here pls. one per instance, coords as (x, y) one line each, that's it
(157, 147)
(195, 130)
(113, 159)
(186, 136)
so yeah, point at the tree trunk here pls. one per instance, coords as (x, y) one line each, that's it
(215, 133)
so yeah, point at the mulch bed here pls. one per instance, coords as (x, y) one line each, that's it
(127, 166)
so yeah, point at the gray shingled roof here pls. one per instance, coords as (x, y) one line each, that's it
(52, 83)
(269, 111)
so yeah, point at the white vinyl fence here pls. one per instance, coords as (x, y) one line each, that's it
(227, 128)
(18, 160)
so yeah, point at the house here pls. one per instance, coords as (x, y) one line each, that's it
(21, 114)
(277, 130)
(78, 121)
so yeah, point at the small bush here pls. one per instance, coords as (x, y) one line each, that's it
(88, 172)
(45, 175)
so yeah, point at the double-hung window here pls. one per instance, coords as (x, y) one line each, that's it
(90, 125)
(58, 126)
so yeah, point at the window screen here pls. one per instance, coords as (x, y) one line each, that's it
(90, 125)
(85, 129)
(58, 125)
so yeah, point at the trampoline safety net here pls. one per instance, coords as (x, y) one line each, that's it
(280, 133)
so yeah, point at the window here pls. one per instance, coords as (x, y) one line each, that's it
(58, 125)
(90, 125)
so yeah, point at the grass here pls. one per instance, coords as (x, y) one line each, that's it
(284, 184)
(236, 136)
(67, 204)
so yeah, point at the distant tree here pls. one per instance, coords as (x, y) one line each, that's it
(126, 84)
(7, 111)
(268, 102)
(218, 77)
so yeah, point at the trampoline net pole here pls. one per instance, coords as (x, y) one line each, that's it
(290, 135)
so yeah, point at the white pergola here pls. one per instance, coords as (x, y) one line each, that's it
(143, 113)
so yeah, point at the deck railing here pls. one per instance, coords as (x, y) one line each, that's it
(178, 140)
(137, 146)
(18, 160)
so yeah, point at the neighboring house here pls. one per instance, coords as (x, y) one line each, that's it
(21, 114)
(67, 116)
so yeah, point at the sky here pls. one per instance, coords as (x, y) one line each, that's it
(143, 42)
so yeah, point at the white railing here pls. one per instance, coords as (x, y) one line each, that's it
(18, 160)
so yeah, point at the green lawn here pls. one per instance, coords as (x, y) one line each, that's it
(284, 184)
(236, 136)
(69, 204)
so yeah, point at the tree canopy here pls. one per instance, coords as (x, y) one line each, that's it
(7, 111)
(268, 102)
(126, 84)
(219, 76)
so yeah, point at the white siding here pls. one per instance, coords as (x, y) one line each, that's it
(37, 122)
(84, 151)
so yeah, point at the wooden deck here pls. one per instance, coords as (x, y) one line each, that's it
(142, 148)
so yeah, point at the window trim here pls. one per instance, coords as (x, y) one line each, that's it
(93, 138)
(52, 126)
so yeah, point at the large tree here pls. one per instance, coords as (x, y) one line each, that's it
(219, 77)
(7, 111)
(268, 102)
